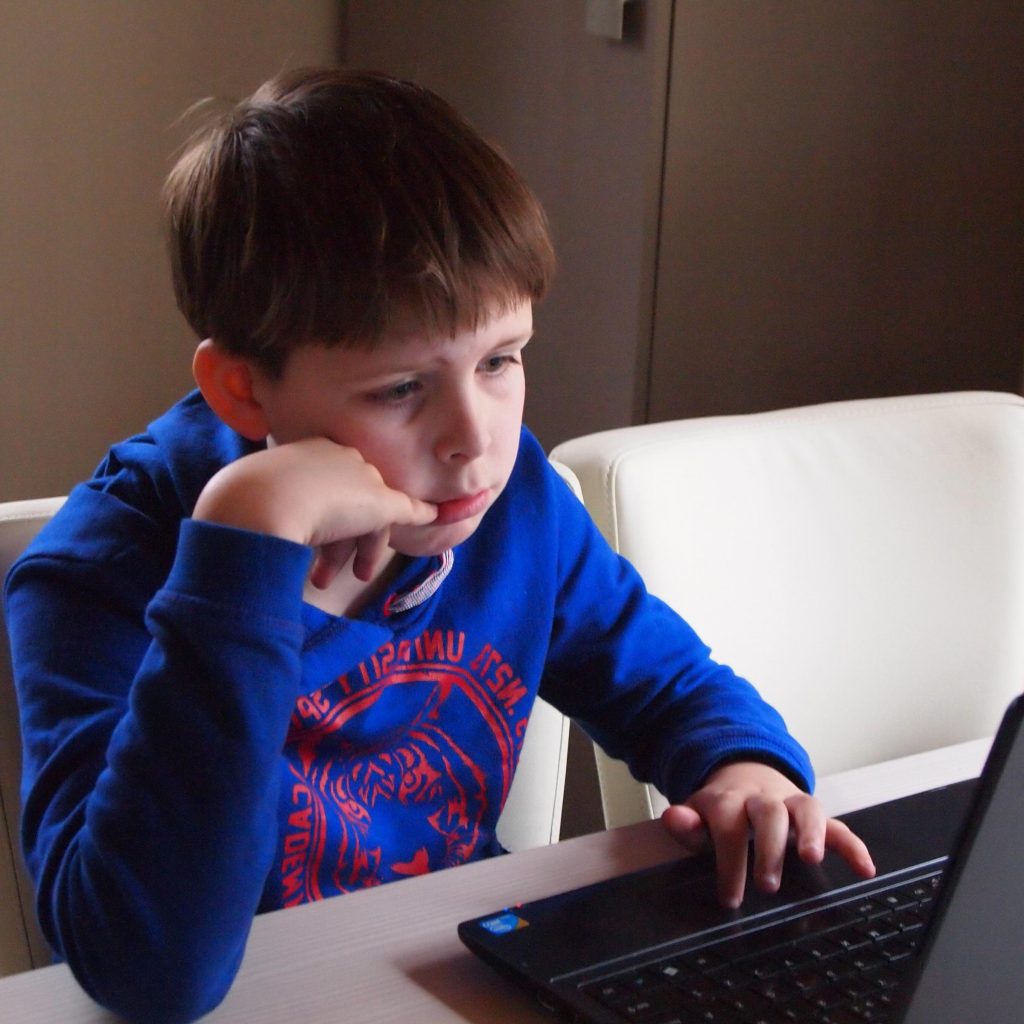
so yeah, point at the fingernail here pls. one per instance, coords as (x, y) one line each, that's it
(813, 852)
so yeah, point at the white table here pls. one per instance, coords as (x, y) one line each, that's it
(392, 954)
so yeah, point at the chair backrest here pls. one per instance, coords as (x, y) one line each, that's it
(21, 943)
(532, 815)
(861, 562)
(533, 812)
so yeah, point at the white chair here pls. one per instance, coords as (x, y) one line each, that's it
(22, 945)
(532, 815)
(861, 562)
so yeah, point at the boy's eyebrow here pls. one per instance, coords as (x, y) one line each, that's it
(518, 339)
(521, 340)
(399, 368)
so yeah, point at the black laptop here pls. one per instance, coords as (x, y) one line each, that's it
(936, 937)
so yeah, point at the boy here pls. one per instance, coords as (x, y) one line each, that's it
(284, 644)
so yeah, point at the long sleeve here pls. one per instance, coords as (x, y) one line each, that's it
(639, 679)
(152, 728)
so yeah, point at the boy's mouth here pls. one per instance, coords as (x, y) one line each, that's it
(457, 509)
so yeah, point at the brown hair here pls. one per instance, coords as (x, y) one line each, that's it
(332, 201)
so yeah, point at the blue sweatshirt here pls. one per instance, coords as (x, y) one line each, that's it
(201, 746)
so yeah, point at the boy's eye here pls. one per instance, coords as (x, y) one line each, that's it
(495, 364)
(397, 392)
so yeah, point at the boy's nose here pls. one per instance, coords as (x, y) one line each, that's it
(463, 435)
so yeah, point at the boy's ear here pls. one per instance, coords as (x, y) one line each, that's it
(226, 381)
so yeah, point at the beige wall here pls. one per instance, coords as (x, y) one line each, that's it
(91, 346)
(842, 203)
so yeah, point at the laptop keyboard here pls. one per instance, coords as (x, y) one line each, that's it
(835, 965)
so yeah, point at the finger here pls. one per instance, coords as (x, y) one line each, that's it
(371, 549)
(770, 822)
(381, 507)
(809, 827)
(328, 562)
(415, 512)
(392, 507)
(726, 819)
(395, 506)
(850, 847)
(686, 827)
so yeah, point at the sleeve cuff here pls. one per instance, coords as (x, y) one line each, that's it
(230, 566)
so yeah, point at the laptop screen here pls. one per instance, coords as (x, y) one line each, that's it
(971, 965)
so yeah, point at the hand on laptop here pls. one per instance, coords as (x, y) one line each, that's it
(748, 797)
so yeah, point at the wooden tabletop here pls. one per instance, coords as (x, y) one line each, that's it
(392, 955)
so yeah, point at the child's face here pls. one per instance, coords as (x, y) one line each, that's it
(438, 417)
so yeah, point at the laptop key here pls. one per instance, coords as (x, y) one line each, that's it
(886, 979)
(840, 1015)
(868, 960)
(733, 978)
(898, 900)
(777, 991)
(673, 972)
(852, 938)
(825, 997)
(821, 947)
(768, 967)
(718, 1013)
(808, 981)
(869, 908)
(661, 1011)
(609, 993)
(647, 981)
(911, 921)
(703, 961)
(746, 1004)
(897, 950)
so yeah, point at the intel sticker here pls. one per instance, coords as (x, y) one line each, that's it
(504, 923)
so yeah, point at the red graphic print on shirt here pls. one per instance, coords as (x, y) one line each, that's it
(399, 767)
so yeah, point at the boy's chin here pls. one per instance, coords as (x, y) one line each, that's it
(427, 541)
